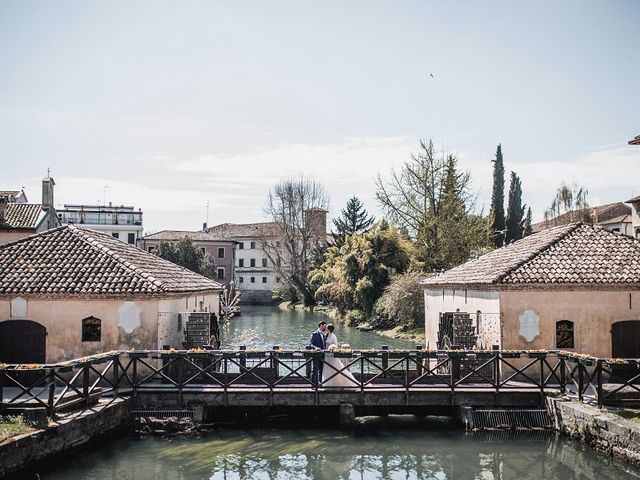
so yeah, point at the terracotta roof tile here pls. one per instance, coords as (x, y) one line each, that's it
(171, 235)
(238, 230)
(22, 215)
(74, 261)
(572, 255)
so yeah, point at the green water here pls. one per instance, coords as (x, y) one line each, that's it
(386, 448)
(393, 448)
(264, 327)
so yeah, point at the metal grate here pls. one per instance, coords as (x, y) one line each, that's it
(161, 413)
(514, 419)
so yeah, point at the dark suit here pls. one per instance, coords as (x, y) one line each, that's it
(318, 341)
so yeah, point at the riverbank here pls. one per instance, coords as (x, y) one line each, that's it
(415, 335)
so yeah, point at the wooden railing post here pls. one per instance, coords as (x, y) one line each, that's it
(134, 380)
(180, 368)
(599, 387)
(2, 375)
(52, 393)
(563, 376)
(385, 359)
(419, 359)
(580, 381)
(85, 384)
(274, 361)
(309, 365)
(243, 357)
(116, 373)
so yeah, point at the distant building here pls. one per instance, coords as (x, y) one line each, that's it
(635, 215)
(615, 217)
(20, 219)
(123, 222)
(222, 250)
(72, 291)
(254, 273)
(635, 140)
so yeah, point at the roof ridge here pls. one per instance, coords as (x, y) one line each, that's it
(127, 264)
(571, 228)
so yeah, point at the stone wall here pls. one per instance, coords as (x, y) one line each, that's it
(599, 429)
(71, 431)
(256, 297)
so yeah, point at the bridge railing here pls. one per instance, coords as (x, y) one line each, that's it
(83, 381)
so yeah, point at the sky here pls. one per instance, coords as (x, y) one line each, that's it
(168, 105)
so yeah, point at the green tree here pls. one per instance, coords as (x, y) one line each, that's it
(184, 253)
(430, 199)
(353, 219)
(401, 304)
(354, 275)
(528, 229)
(497, 200)
(515, 211)
(569, 205)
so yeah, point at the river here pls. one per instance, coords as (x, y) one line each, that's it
(386, 448)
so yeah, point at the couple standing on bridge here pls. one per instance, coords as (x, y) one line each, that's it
(336, 374)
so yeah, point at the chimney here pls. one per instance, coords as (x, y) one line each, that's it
(3, 209)
(204, 227)
(316, 222)
(47, 192)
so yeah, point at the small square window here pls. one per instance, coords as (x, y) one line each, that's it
(264, 279)
(221, 252)
(131, 238)
(220, 273)
(203, 250)
(91, 329)
(264, 262)
(253, 244)
(241, 262)
(253, 279)
(115, 235)
(241, 245)
(241, 279)
(253, 262)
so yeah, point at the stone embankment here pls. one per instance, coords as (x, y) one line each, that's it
(70, 431)
(602, 430)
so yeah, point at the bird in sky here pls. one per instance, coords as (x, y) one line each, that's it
(431, 74)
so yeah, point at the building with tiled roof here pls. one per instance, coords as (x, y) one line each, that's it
(222, 250)
(574, 286)
(71, 291)
(19, 219)
(615, 217)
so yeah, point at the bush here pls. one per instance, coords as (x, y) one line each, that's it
(401, 304)
(354, 317)
(284, 293)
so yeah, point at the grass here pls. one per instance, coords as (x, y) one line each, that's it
(629, 414)
(12, 426)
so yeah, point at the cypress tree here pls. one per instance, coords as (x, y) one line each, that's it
(497, 199)
(528, 229)
(353, 219)
(515, 211)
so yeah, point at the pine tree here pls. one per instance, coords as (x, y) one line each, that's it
(528, 229)
(353, 219)
(515, 211)
(497, 199)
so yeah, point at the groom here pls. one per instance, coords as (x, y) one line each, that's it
(318, 342)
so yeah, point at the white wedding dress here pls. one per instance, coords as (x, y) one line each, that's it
(343, 379)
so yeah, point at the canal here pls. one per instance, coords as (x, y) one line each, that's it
(385, 448)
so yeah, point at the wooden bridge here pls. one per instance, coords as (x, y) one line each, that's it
(398, 380)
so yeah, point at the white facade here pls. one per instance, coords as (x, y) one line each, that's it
(123, 222)
(254, 273)
(483, 305)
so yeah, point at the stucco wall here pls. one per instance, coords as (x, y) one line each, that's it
(7, 236)
(470, 301)
(124, 324)
(592, 314)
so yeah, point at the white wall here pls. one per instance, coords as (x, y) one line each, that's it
(258, 272)
(470, 301)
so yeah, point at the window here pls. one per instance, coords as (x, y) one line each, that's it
(220, 273)
(264, 279)
(564, 334)
(115, 235)
(202, 249)
(91, 329)
(253, 262)
(253, 244)
(478, 320)
(131, 238)
(253, 279)
(241, 245)
(241, 262)
(220, 252)
(264, 262)
(277, 279)
(150, 249)
(241, 279)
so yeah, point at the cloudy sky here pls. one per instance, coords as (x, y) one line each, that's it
(173, 104)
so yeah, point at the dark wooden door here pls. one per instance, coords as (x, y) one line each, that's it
(625, 339)
(22, 341)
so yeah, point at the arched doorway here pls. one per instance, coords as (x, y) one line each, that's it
(625, 339)
(22, 341)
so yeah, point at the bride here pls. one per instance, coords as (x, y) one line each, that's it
(342, 379)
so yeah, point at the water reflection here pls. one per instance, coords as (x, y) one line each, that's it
(385, 449)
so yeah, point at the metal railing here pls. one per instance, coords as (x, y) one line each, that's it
(79, 383)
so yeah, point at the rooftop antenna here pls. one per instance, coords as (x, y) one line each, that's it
(104, 195)
(207, 212)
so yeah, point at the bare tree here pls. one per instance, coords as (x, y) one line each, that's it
(297, 208)
(569, 205)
